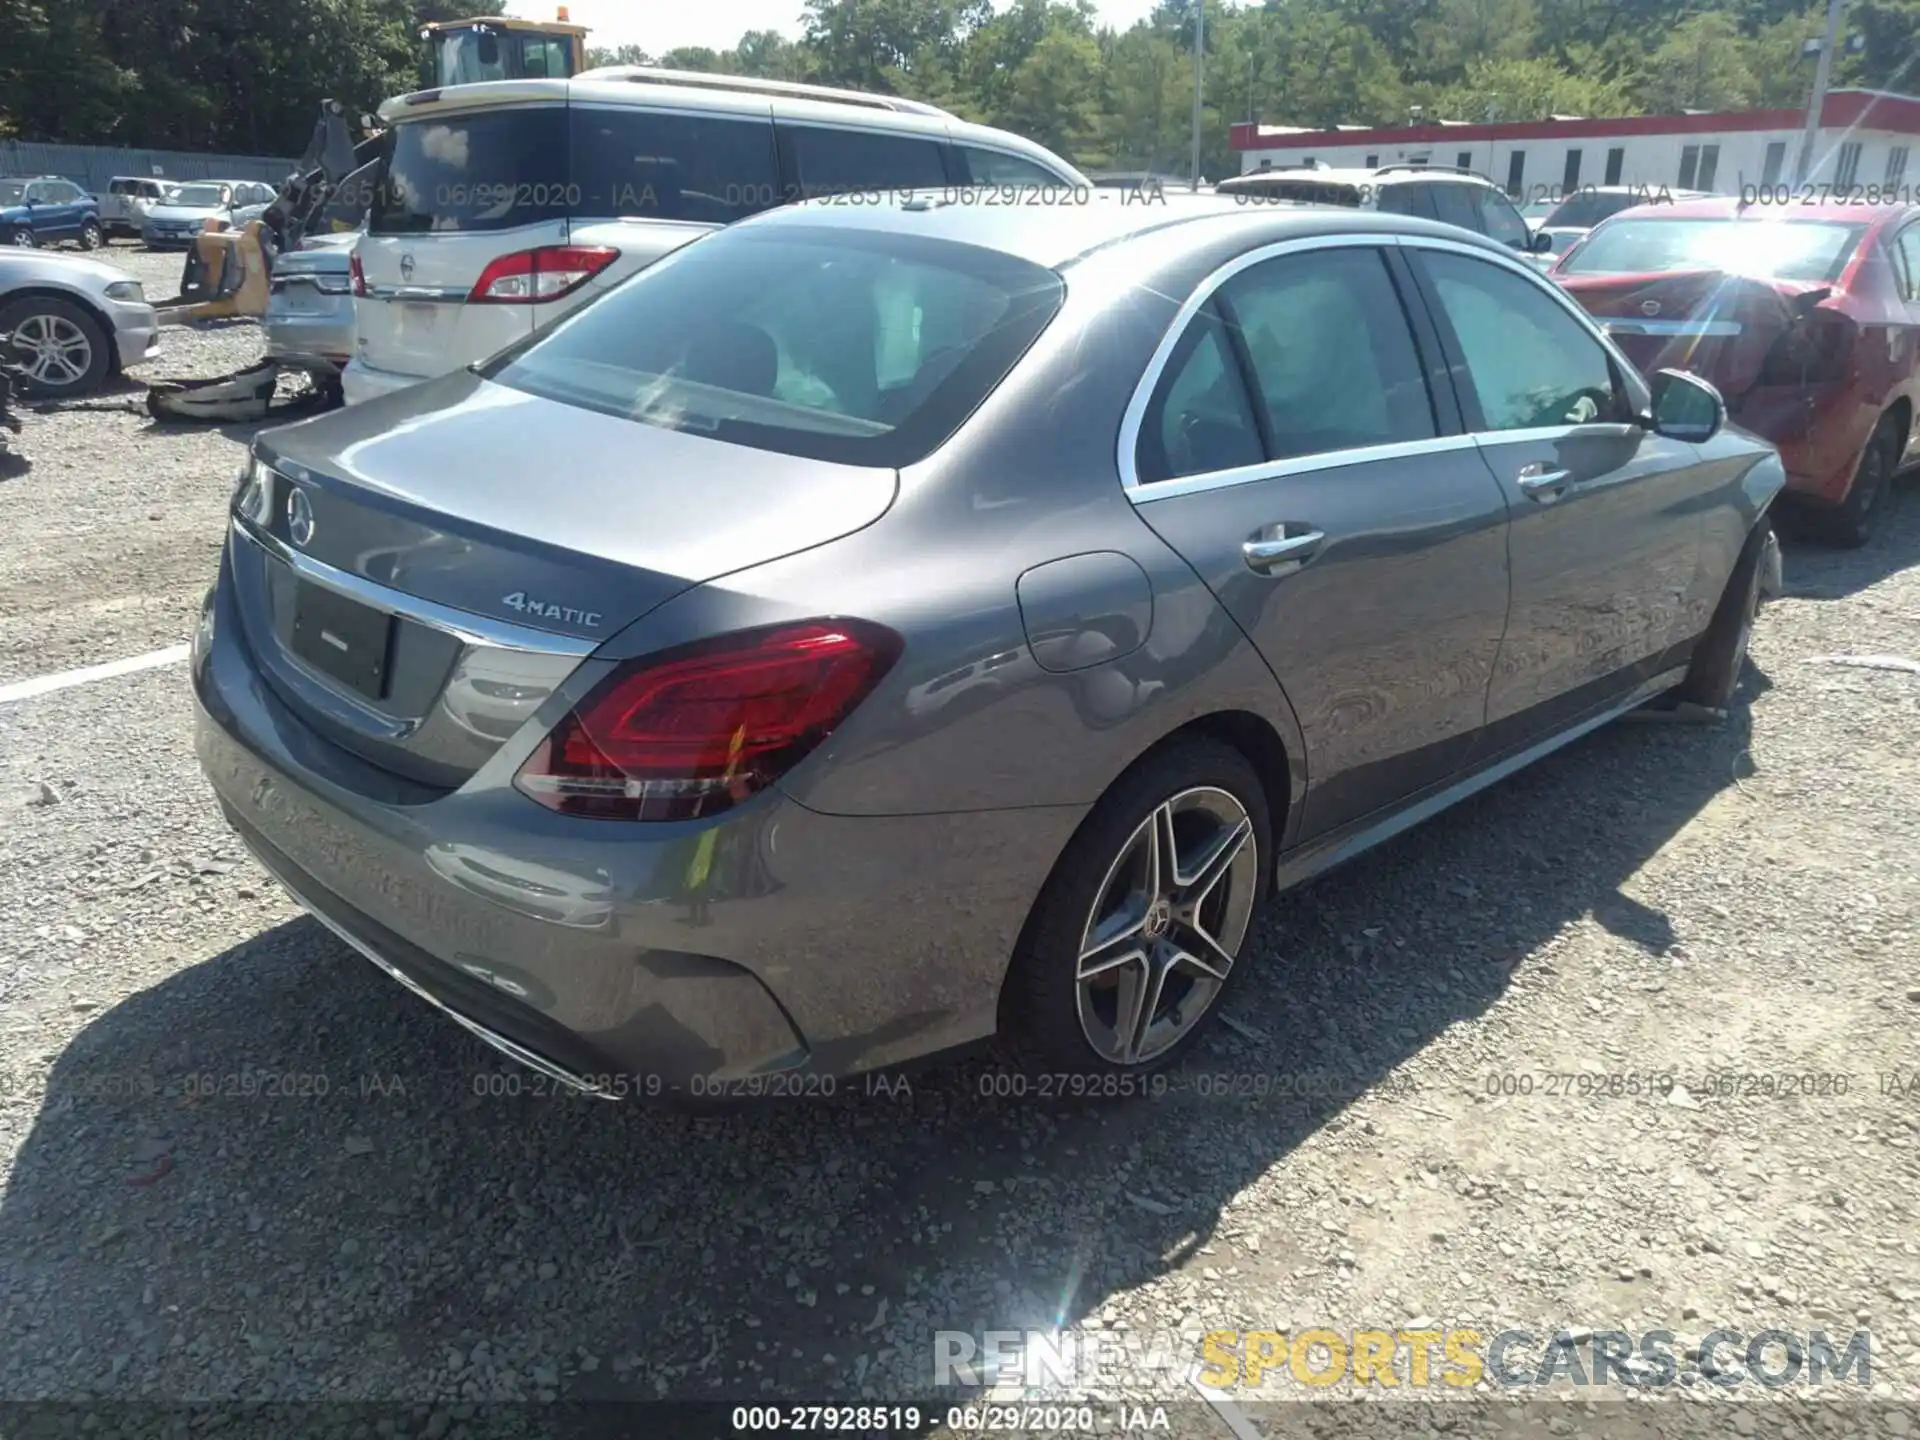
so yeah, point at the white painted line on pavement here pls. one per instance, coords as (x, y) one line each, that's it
(41, 685)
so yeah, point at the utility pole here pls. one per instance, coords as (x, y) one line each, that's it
(1823, 71)
(1199, 52)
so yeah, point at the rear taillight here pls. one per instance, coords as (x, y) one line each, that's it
(691, 731)
(528, 277)
(356, 274)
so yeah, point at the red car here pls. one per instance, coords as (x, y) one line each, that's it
(1807, 317)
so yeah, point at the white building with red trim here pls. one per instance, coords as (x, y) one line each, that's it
(1864, 140)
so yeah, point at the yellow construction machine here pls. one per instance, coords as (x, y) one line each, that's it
(494, 47)
(228, 267)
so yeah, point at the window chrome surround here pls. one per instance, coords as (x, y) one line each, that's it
(1143, 492)
(463, 625)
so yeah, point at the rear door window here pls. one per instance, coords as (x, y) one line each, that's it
(712, 169)
(491, 171)
(823, 161)
(1200, 419)
(993, 167)
(1404, 199)
(1332, 356)
(1452, 205)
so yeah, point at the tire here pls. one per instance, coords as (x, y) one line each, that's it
(22, 237)
(1714, 674)
(75, 352)
(92, 237)
(1850, 523)
(1062, 1016)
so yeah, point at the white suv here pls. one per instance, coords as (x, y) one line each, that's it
(1432, 192)
(508, 203)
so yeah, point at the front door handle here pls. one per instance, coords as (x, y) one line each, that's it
(1544, 483)
(1281, 549)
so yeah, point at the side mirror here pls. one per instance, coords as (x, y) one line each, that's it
(1541, 243)
(1685, 407)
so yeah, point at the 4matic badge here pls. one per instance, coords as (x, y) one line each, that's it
(519, 600)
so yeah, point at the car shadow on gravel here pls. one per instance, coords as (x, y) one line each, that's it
(277, 1175)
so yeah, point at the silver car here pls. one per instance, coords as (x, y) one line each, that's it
(872, 628)
(176, 220)
(75, 322)
(309, 319)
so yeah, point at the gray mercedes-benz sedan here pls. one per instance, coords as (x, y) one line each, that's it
(876, 627)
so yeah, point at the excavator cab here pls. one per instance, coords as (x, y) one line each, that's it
(462, 52)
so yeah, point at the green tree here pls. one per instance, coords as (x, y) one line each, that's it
(618, 55)
(1525, 89)
(1701, 65)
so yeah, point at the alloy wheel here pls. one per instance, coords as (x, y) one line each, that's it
(23, 238)
(1166, 925)
(57, 351)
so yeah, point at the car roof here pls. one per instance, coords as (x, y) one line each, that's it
(1360, 175)
(1057, 235)
(798, 102)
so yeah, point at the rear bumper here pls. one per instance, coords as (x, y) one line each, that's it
(775, 951)
(303, 336)
(361, 381)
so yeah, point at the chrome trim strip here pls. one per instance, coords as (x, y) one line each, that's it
(386, 967)
(1202, 293)
(1145, 493)
(1613, 429)
(425, 294)
(1671, 327)
(463, 625)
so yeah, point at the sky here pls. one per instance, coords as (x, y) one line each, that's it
(661, 25)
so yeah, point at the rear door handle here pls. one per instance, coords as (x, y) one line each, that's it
(1544, 483)
(1281, 549)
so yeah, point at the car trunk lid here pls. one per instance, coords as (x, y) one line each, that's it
(1736, 331)
(506, 536)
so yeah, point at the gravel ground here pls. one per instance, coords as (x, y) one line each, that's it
(361, 1220)
(108, 541)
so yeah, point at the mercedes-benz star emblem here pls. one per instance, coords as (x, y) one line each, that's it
(299, 517)
(1649, 307)
(406, 267)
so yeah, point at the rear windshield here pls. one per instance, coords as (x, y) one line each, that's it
(12, 192)
(490, 171)
(1804, 250)
(861, 348)
(505, 168)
